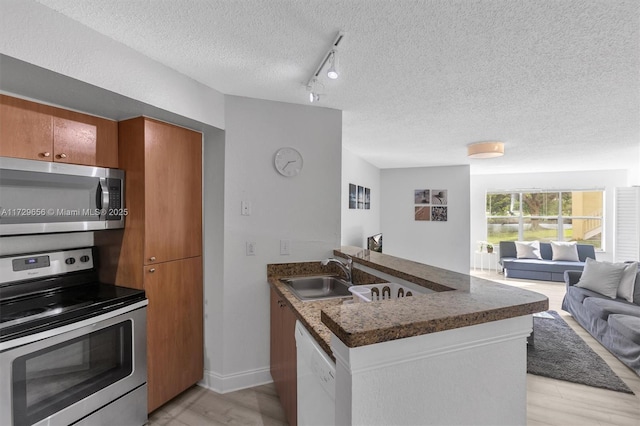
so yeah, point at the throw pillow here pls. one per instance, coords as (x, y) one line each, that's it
(636, 287)
(564, 251)
(528, 250)
(627, 282)
(601, 277)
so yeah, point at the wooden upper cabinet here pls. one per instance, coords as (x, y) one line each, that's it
(26, 129)
(41, 132)
(173, 194)
(163, 163)
(85, 139)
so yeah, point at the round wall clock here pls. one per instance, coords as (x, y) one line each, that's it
(288, 162)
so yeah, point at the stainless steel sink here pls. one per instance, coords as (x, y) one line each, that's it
(318, 288)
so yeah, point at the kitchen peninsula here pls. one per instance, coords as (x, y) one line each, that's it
(456, 355)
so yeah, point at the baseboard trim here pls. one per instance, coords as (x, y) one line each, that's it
(236, 381)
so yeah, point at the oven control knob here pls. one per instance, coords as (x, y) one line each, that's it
(70, 260)
(84, 258)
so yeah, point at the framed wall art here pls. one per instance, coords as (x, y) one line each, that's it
(359, 197)
(431, 205)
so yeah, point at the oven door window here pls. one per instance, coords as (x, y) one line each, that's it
(53, 378)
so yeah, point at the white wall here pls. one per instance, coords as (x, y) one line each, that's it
(36, 34)
(304, 209)
(439, 244)
(599, 179)
(358, 224)
(213, 246)
(34, 243)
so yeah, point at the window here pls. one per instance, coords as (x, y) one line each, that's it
(546, 216)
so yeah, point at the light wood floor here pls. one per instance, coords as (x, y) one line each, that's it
(549, 402)
(556, 402)
(201, 407)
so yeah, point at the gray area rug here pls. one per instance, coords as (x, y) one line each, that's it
(559, 353)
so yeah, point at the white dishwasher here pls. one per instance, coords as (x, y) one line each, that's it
(316, 381)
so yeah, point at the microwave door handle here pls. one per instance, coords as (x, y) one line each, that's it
(102, 198)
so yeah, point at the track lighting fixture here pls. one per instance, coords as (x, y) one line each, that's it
(314, 96)
(332, 73)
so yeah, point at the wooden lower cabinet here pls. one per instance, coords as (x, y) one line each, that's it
(174, 328)
(283, 356)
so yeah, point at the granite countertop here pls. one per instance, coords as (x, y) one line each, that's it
(309, 312)
(459, 300)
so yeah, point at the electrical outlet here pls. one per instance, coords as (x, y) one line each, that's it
(251, 248)
(285, 247)
(245, 208)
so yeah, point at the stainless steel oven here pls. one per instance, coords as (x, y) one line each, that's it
(72, 350)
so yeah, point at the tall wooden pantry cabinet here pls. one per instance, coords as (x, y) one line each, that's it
(161, 248)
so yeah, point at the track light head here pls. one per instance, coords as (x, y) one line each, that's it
(332, 73)
(311, 87)
(330, 57)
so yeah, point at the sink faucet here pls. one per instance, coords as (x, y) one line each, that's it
(346, 267)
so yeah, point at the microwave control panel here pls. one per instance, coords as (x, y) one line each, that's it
(115, 199)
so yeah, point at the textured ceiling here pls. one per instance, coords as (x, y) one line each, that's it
(557, 81)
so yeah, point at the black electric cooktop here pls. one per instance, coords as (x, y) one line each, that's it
(34, 306)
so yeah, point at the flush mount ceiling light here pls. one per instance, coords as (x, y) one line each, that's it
(329, 57)
(485, 149)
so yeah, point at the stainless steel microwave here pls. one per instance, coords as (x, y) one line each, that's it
(42, 197)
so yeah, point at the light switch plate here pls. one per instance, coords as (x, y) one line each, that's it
(285, 247)
(251, 248)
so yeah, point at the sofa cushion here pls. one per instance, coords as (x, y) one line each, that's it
(627, 282)
(541, 265)
(562, 250)
(579, 294)
(603, 307)
(528, 249)
(636, 288)
(545, 251)
(601, 277)
(626, 325)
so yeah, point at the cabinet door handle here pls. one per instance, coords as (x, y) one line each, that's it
(152, 270)
(63, 155)
(152, 259)
(46, 154)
